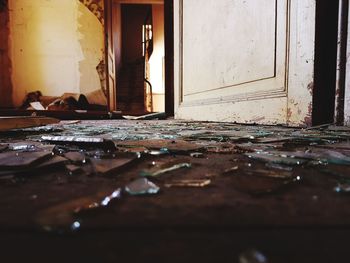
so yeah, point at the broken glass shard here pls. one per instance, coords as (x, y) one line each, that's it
(151, 116)
(271, 174)
(279, 167)
(142, 186)
(30, 146)
(252, 147)
(197, 155)
(231, 169)
(101, 154)
(55, 161)
(252, 256)
(20, 160)
(75, 157)
(76, 226)
(342, 188)
(23, 147)
(62, 217)
(162, 151)
(224, 148)
(269, 140)
(52, 162)
(155, 173)
(268, 157)
(73, 169)
(189, 183)
(322, 155)
(84, 142)
(99, 202)
(177, 146)
(108, 166)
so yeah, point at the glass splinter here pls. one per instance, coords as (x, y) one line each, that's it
(189, 183)
(142, 186)
(252, 256)
(103, 202)
(284, 160)
(197, 155)
(166, 170)
(342, 188)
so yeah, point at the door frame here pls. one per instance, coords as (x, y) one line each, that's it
(328, 59)
(346, 68)
(342, 91)
(169, 46)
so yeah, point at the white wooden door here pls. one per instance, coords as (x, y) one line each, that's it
(249, 61)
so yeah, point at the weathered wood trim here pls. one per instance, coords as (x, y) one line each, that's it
(341, 62)
(301, 63)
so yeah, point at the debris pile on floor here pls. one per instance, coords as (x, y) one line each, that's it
(168, 155)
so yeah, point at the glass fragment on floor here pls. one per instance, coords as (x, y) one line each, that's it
(73, 169)
(195, 183)
(342, 188)
(271, 158)
(197, 155)
(252, 256)
(83, 142)
(142, 186)
(154, 172)
(109, 166)
(67, 216)
(19, 160)
(75, 157)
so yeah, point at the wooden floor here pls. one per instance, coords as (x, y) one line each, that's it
(297, 217)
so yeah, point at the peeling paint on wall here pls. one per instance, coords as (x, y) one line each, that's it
(96, 7)
(91, 39)
(55, 48)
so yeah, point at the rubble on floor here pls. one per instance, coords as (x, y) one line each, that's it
(170, 155)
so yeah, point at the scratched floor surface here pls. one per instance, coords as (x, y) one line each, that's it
(174, 191)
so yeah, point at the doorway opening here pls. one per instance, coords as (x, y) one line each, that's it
(143, 47)
(325, 79)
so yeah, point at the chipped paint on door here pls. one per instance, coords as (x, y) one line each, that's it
(231, 68)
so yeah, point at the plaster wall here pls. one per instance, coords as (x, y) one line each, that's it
(55, 47)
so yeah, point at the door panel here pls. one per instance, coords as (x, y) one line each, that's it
(233, 60)
(110, 55)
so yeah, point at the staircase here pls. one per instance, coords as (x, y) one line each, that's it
(131, 88)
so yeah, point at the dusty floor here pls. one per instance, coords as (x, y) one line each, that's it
(224, 190)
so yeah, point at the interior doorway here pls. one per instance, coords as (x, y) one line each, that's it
(143, 56)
